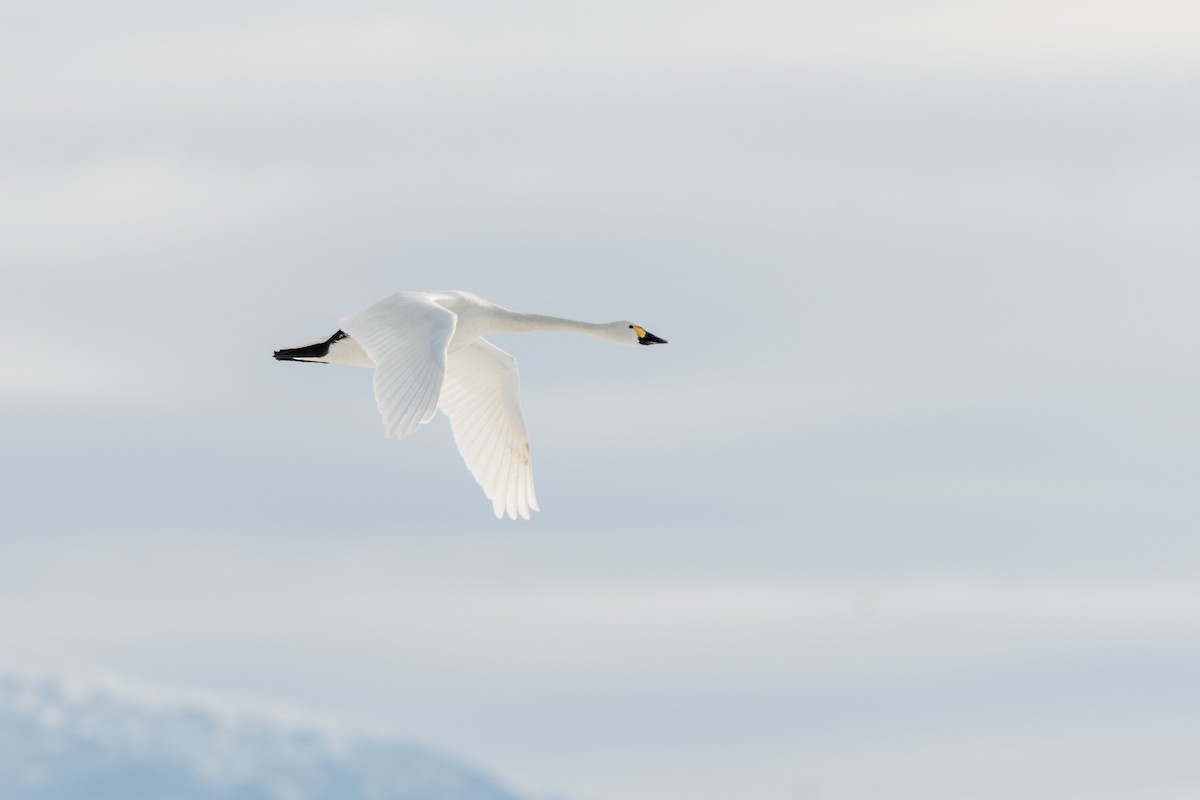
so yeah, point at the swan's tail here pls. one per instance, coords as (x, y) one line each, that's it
(313, 351)
(337, 349)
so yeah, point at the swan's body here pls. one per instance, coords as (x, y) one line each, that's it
(428, 352)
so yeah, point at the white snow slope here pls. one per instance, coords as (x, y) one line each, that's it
(68, 739)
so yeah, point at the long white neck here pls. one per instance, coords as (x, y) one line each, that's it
(517, 322)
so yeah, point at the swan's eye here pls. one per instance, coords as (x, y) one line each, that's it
(639, 330)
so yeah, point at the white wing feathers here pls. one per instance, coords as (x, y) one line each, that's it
(406, 336)
(482, 398)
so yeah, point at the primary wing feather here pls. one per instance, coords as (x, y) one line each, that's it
(406, 336)
(482, 397)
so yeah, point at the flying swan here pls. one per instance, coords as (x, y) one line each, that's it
(429, 353)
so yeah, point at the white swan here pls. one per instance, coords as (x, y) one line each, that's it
(428, 353)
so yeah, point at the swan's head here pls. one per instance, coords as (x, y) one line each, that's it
(626, 332)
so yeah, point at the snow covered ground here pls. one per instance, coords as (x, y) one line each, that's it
(103, 739)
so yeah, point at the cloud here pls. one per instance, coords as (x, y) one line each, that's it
(84, 373)
(110, 213)
(289, 53)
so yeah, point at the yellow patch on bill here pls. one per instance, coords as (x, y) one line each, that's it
(640, 331)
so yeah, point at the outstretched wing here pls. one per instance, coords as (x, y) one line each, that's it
(406, 336)
(482, 398)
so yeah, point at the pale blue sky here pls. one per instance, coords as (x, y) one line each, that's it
(905, 509)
